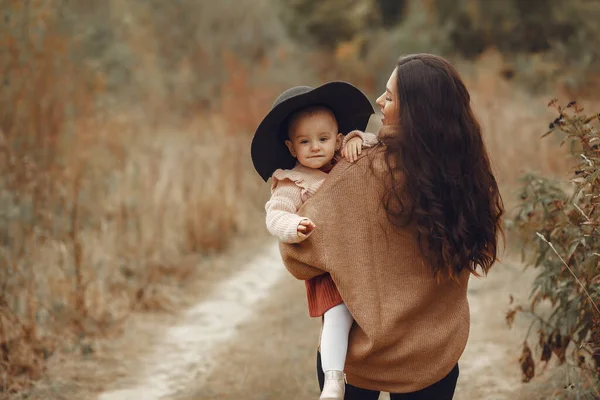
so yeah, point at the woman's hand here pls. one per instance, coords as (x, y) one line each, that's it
(305, 227)
(352, 149)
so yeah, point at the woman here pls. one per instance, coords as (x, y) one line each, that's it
(413, 219)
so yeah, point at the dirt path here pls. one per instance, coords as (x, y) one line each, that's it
(188, 352)
(251, 338)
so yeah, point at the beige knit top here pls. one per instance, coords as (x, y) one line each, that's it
(292, 187)
(410, 330)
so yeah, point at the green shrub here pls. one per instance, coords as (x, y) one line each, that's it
(559, 224)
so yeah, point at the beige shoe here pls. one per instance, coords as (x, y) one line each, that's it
(335, 385)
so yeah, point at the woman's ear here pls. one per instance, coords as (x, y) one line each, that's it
(290, 147)
(338, 141)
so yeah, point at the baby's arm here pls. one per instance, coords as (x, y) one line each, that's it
(368, 139)
(282, 220)
(354, 142)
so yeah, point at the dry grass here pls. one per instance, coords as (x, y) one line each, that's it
(116, 359)
(130, 213)
(98, 207)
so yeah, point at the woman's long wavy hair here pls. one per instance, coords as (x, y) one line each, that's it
(441, 177)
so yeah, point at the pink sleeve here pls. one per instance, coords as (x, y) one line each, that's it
(282, 220)
(369, 139)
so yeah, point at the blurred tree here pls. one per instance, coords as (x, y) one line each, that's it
(392, 11)
(512, 26)
(327, 23)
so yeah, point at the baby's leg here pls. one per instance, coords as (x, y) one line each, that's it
(337, 322)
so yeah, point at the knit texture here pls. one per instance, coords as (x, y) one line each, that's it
(369, 139)
(290, 189)
(410, 328)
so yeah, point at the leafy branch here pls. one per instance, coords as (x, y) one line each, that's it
(571, 271)
(559, 224)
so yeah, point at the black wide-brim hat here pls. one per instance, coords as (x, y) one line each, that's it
(350, 106)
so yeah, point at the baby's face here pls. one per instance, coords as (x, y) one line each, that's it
(314, 139)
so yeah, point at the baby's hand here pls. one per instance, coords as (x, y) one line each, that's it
(352, 149)
(305, 227)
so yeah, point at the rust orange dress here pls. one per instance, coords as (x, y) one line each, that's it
(290, 189)
(321, 294)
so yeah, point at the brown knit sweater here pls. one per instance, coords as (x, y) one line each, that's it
(410, 329)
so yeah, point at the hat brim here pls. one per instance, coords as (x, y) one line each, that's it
(350, 106)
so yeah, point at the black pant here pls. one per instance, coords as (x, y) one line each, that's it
(441, 390)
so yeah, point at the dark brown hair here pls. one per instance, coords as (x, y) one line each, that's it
(441, 177)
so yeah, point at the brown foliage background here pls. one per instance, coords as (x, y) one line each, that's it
(125, 128)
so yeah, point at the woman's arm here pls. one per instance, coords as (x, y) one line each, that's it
(328, 209)
(344, 211)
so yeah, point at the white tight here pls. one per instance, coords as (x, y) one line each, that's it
(337, 322)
